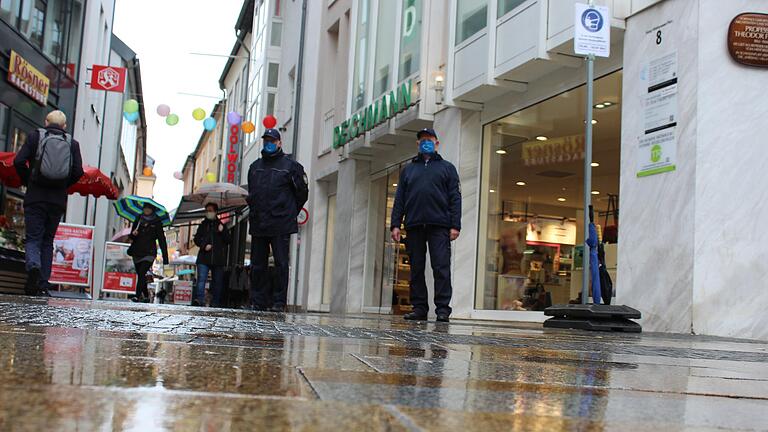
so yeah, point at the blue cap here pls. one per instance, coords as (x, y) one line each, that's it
(426, 131)
(271, 133)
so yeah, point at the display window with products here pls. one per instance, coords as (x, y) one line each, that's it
(531, 218)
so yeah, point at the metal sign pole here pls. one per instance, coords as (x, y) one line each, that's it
(588, 172)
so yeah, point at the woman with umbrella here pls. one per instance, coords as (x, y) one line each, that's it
(146, 233)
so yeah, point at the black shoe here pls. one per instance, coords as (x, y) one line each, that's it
(32, 286)
(279, 309)
(443, 318)
(415, 316)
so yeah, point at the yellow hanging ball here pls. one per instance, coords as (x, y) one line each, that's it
(198, 114)
(211, 177)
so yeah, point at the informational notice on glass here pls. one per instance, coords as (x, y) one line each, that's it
(72, 255)
(119, 272)
(658, 143)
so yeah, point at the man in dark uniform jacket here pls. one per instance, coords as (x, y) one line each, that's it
(429, 198)
(277, 190)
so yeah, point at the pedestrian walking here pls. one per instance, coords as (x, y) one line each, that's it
(146, 234)
(428, 197)
(48, 164)
(212, 237)
(277, 190)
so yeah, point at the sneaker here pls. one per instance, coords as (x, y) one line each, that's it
(443, 318)
(32, 286)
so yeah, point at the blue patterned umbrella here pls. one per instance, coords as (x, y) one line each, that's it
(594, 264)
(131, 208)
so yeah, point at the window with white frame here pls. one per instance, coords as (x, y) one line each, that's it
(359, 80)
(410, 39)
(471, 18)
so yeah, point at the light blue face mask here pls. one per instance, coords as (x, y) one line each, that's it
(427, 147)
(270, 147)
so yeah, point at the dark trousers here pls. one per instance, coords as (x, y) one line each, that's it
(41, 222)
(217, 284)
(438, 239)
(261, 282)
(141, 284)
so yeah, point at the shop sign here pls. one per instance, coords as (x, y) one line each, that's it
(232, 154)
(108, 78)
(72, 255)
(182, 292)
(748, 39)
(553, 151)
(592, 30)
(373, 115)
(29, 80)
(119, 272)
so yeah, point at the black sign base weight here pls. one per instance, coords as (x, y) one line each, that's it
(593, 317)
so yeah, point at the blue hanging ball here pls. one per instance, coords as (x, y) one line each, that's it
(131, 117)
(209, 124)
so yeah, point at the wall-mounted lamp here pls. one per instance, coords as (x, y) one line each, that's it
(438, 83)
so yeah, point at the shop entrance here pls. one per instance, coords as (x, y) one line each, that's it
(531, 230)
(391, 264)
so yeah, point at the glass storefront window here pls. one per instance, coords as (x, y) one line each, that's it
(32, 21)
(530, 247)
(75, 35)
(471, 17)
(360, 82)
(273, 74)
(410, 39)
(506, 6)
(9, 11)
(385, 47)
(55, 30)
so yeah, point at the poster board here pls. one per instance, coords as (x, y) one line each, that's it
(119, 271)
(72, 255)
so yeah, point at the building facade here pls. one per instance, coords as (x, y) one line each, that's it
(499, 82)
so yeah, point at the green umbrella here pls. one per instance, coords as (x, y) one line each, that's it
(132, 207)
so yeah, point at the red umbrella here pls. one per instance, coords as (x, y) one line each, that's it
(93, 182)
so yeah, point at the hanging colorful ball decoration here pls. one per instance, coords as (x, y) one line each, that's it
(147, 172)
(209, 124)
(163, 110)
(131, 117)
(211, 177)
(172, 120)
(178, 175)
(269, 121)
(198, 114)
(131, 106)
(234, 118)
(248, 127)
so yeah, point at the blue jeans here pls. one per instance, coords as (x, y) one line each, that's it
(41, 222)
(217, 284)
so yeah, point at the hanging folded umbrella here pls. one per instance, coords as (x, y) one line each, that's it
(222, 194)
(93, 182)
(594, 264)
(131, 208)
(121, 236)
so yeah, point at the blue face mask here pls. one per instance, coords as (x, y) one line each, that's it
(427, 147)
(270, 147)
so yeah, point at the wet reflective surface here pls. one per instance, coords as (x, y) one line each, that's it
(70, 365)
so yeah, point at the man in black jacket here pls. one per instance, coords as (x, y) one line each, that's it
(44, 204)
(429, 198)
(212, 237)
(277, 190)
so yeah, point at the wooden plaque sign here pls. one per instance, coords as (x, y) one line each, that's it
(748, 39)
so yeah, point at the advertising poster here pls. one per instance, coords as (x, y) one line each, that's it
(119, 272)
(182, 292)
(658, 144)
(72, 255)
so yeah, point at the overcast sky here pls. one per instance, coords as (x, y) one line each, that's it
(164, 33)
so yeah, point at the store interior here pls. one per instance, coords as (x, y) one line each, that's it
(533, 180)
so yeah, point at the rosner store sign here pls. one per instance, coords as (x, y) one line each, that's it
(373, 115)
(29, 80)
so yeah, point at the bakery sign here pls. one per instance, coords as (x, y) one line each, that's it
(748, 39)
(29, 80)
(554, 151)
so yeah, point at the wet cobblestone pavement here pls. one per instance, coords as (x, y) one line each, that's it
(71, 365)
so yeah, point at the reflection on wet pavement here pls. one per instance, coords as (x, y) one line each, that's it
(78, 366)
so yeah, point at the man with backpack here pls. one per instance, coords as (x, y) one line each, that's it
(48, 164)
